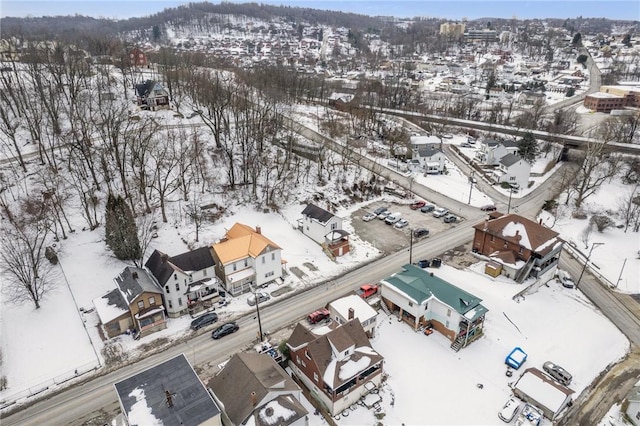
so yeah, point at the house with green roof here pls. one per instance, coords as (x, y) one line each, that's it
(422, 299)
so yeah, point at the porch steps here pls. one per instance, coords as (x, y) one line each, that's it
(384, 308)
(524, 272)
(457, 344)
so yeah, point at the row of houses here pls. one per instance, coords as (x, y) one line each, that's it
(191, 282)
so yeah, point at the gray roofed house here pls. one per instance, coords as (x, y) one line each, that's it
(188, 280)
(419, 298)
(254, 385)
(336, 365)
(429, 157)
(169, 393)
(151, 95)
(135, 304)
(514, 170)
(491, 151)
(317, 222)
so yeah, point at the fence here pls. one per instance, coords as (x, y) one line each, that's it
(11, 399)
(593, 269)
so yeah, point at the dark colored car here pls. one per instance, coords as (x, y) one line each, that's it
(428, 208)
(224, 329)
(488, 208)
(204, 320)
(420, 232)
(380, 210)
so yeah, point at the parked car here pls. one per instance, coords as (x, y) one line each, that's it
(465, 145)
(427, 208)
(380, 210)
(450, 218)
(565, 279)
(558, 373)
(224, 329)
(392, 219)
(440, 211)
(402, 223)
(488, 208)
(384, 215)
(509, 410)
(367, 290)
(204, 320)
(319, 315)
(420, 232)
(369, 216)
(417, 205)
(262, 297)
(222, 303)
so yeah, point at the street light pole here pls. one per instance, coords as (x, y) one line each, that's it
(594, 245)
(411, 246)
(255, 295)
(470, 186)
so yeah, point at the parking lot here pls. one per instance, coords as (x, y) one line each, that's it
(390, 239)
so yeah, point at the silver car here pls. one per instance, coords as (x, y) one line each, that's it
(261, 296)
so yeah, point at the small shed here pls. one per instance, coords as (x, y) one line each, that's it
(493, 268)
(516, 358)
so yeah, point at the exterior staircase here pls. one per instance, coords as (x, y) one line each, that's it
(524, 272)
(384, 308)
(457, 344)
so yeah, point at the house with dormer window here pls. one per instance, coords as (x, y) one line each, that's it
(246, 258)
(188, 281)
(422, 299)
(338, 367)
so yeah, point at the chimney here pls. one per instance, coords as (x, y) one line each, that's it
(164, 257)
(486, 225)
(134, 274)
(169, 397)
(258, 230)
(540, 221)
(254, 399)
(351, 313)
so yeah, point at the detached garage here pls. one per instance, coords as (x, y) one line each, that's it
(540, 390)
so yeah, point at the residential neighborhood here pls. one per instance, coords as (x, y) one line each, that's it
(241, 213)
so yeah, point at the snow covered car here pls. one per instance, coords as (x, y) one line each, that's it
(369, 217)
(509, 410)
(440, 211)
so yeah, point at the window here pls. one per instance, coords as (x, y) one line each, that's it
(410, 303)
(177, 286)
(190, 279)
(141, 304)
(152, 300)
(334, 226)
(179, 301)
(263, 259)
(306, 353)
(170, 304)
(234, 267)
(506, 244)
(246, 263)
(175, 276)
(346, 353)
(493, 238)
(521, 250)
(204, 272)
(268, 274)
(273, 256)
(448, 312)
(315, 376)
(297, 360)
(166, 288)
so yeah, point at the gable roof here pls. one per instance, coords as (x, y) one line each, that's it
(420, 286)
(242, 241)
(246, 373)
(317, 213)
(192, 404)
(510, 159)
(111, 306)
(521, 231)
(321, 350)
(143, 89)
(162, 265)
(281, 411)
(427, 151)
(361, 309)
(132, 282)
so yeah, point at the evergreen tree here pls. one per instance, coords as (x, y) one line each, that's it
(121, 232)
(528, 148)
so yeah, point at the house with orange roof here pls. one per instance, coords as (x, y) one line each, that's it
(523, 247)
(245, 258)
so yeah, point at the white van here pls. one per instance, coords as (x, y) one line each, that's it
(565, 279)
(509, 410)
(390, 220)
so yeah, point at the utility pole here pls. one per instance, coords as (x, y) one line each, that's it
(509, 206)
(470, 185)
(594, 245)
(255, 295)
(411, 246)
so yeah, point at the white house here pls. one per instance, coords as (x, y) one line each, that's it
(633, 407)
(353, 306)
(188, 280)
(491, 151)
(246, 258)
(317, 222)
(420, 298)
(514, 170)
(429, 158)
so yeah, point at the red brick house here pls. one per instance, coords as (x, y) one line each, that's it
(137, 57)
(523, 247)
(335, 366)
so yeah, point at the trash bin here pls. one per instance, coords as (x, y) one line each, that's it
(436, 262)
(424, 263)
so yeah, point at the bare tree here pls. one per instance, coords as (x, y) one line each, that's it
(596, 167)
(629, 208)
(585, 235)
(22, 259)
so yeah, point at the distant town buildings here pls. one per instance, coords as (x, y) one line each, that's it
(611, 98)
(452, 29)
